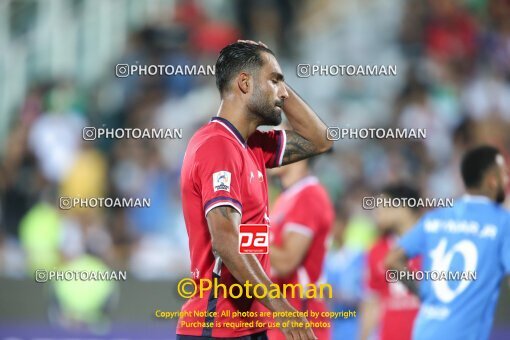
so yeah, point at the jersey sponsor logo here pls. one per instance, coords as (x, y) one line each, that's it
(253, 239)
(221, 181)
(260, 176)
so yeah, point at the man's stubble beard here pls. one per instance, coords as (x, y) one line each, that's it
(264, 110)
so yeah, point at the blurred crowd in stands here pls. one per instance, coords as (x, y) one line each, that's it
(453, 60)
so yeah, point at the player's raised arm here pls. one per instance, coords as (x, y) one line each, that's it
(223, 222)
(308, 135)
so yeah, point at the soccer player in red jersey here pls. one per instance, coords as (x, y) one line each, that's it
(224, 184)
(302, 219)
(390, 307)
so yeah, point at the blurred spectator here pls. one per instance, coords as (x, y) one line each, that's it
(83, 304)
(344, 271)
(388, 309)
(40, 232)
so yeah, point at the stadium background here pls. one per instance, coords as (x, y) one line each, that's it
(57, 75)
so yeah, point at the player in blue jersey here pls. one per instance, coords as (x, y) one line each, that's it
(465, 252)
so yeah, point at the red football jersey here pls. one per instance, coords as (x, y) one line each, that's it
(399, 306)
(220, 168)
(305, 208)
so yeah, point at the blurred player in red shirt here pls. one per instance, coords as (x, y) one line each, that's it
(224, 184)
(389, 308)
(301, 222)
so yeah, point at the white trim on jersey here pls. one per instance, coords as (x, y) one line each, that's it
(284, 144)
(298, 228)
(230, 130)
(220, 203)
(217, 265)
(300, 185)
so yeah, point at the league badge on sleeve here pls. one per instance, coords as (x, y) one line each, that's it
(221, 181)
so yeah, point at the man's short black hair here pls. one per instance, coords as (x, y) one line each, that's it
(402, 190)
(235, 58)
(475, 164)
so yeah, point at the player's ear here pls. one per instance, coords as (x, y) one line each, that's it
(243, 82)
(492, 179)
